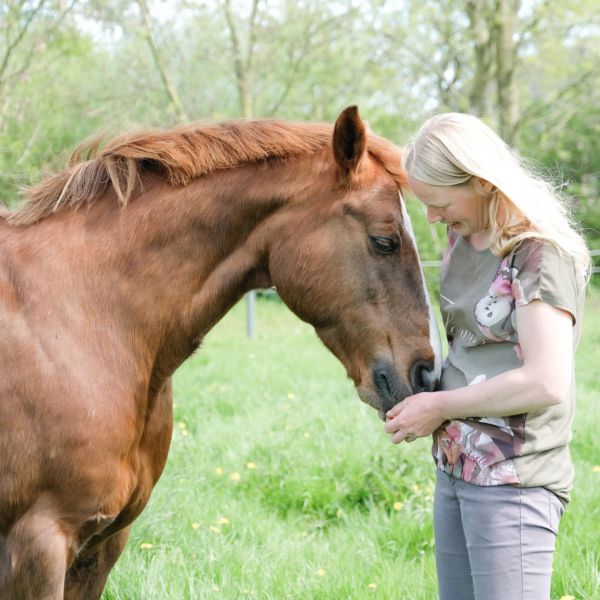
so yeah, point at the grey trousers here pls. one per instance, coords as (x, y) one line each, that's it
(494, 542)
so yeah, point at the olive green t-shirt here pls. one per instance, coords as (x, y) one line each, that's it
(479, 293)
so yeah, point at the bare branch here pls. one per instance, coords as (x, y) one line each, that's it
(162, 70)
(20, 35)
(573, 86)
(27, 60)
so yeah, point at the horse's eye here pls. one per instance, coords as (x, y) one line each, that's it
(383, 245)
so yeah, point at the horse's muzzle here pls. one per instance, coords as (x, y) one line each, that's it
(391, 390)
(388, 386)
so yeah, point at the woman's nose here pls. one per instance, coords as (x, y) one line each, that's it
(432, 215)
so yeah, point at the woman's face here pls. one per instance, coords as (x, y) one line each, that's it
(464, 207)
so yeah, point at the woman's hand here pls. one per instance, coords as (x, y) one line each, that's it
(416, 416)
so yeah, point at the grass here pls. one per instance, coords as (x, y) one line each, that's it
(281, 484)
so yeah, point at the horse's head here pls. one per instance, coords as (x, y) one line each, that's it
(348, 265)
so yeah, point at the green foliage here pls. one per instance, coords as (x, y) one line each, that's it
(88, 69)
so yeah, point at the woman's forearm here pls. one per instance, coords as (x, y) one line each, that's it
(511, 393)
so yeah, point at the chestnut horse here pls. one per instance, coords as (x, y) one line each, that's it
(113, 271)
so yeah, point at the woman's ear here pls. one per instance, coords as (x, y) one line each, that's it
(485, 185)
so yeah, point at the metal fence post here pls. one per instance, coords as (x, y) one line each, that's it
(250, 313)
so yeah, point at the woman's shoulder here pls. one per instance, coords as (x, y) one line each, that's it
(539, 255)
(540, 271)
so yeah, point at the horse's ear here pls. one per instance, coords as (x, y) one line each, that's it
(349, 140)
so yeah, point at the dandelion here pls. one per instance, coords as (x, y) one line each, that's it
(195, 525)
(235, 477)
(250, 465)
(215, 530)
(291, 396)
(567, 598)
(372, 586)
(145, 546)
(215, 588)
(416, 488)
(596, 469)
(222, 521)
(320, 573)
(182, 425)
(398, 505)
(184, 432)
(306, 434)
(219, 471)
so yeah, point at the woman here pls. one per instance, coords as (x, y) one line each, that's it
(512, 288)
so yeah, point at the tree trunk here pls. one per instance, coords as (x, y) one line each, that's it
(506, 64)
(480, 15)
(242, 64)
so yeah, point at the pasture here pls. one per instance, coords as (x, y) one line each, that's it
(281, 484)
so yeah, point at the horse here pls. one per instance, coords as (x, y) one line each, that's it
(112, 272)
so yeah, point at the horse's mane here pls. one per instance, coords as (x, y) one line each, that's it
(180, 155)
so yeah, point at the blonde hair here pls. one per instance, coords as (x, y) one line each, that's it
(452, 148)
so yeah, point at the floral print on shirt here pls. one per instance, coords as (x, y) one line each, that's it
(494, 313)
(479, 450)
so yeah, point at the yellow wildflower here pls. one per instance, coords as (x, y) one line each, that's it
(372, 586)
(320, 572)
(250, 465)
(235, 477)
(145, 546)
(398, 505)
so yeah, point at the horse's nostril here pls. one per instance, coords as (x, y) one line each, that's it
(382, 382)
(423, 377)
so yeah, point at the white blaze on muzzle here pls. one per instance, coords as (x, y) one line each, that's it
(434, 332)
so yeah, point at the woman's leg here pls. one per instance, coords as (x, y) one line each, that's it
(451, 555)
(511, 534)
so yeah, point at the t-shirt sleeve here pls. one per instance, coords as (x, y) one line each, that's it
(541, 272)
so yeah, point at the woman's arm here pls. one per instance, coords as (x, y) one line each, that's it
(546, 340)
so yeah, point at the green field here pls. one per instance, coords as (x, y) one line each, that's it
(281, 484)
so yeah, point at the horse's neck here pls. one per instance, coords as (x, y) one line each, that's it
(189, 254)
